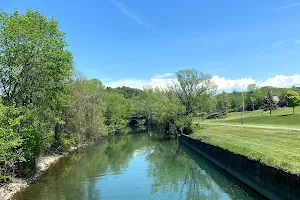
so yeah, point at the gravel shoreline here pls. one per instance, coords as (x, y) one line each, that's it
(16, 184)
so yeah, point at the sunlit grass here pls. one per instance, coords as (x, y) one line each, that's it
(279, 117)
(277, 148)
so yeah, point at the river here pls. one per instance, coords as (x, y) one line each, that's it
(132, 167)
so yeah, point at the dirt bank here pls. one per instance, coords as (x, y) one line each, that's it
(43, 163)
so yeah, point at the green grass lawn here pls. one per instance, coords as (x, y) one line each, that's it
(277, 148)
(280, 117)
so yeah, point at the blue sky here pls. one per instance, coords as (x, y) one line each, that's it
(135, 43)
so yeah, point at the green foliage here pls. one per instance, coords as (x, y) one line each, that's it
(34, 73)
(118, 109)
(84, 118)
(162, 109)
(254, 97)
(269, 103)
(236, 101)
(10, 143)
(280, 117)
(191, 84)
(223, 104)
(292, 99)
(127, 92)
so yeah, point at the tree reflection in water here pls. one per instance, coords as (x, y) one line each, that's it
(176, 168)
(173, 170)
(162, 168)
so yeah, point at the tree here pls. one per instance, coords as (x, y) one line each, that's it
(250, 100)
(162, 109)
(254, 97)
(118, 109)
(235, 100)
(223, 103)
(127, 92)
(189, 87)
(292, 99)
(35, 69)
(84, 117)
(269, 103)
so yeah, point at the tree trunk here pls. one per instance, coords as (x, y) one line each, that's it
(270, 111)
(293, 109)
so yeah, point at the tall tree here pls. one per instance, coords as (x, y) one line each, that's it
(84, 118)
(222, 103)
(34, 71)
(235, 100)
(250, 100)
(292, 99)
(269, 103)
(118, 109)
(190, 85)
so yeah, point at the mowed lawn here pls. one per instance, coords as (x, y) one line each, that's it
(279, 117)
(277, 148)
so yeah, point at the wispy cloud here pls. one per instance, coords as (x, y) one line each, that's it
(291, 41)
(288, 6)
(124, 9)
(163, 75)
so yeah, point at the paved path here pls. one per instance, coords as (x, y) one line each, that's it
(252, 126)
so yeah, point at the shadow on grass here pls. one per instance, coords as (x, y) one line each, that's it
(285, 115)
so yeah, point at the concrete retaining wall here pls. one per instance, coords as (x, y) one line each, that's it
(271, 182)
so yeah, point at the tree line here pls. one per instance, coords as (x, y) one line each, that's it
(45, 105)
(255, 98)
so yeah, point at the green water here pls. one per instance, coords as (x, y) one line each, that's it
(136, 167)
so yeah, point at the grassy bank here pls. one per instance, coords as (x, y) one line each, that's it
(277, 148)
(280, 117)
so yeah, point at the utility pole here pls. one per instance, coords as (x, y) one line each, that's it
(243, 109)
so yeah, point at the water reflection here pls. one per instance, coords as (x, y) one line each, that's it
(180, 170)
(136, 167)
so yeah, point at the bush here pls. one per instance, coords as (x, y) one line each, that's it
(10, 144)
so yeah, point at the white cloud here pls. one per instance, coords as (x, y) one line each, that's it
(241, 84)
(292, 41)
(158, 80)
(231, 84)
(133, 83)
(282, 81)
(288, 6)
(125, 10)
(163, 75)
(162, 80)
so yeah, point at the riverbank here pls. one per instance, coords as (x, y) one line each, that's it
(7, 190)
(274, 147)
(272, 182)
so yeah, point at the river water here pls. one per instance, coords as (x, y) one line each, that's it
(136, 167)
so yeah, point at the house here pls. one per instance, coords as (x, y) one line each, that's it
(276, 99)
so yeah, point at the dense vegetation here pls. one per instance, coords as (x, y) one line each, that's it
(256, 98)
(46, 106)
